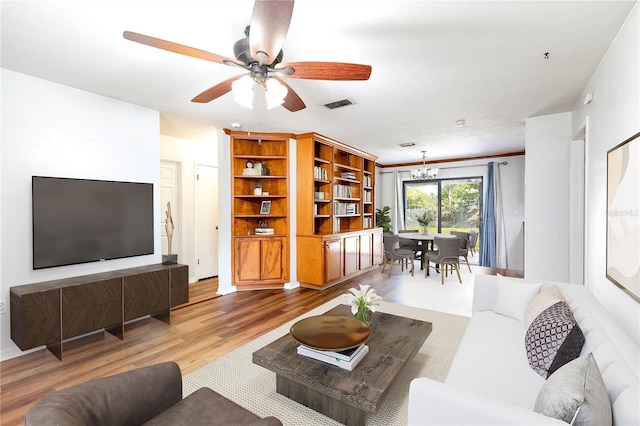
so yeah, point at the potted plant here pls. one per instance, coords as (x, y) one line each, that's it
(424, 219)
(257, 189)
(383, 220)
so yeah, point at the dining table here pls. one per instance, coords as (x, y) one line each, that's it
(426, 239)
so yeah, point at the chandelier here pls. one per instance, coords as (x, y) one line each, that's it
(423, 173)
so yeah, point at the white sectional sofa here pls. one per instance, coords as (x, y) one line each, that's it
(491, 381)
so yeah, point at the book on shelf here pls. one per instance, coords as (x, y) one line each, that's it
(319, 173)
(264, 231)
(346, 360)
(348, 175)
(342, 191)
(345, 208)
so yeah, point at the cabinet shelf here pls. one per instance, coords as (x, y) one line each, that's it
(260, 157)
(258, 177)
(322, 216)
(254, 197)
(346, 180)
(316, 200)
(345, 167)
(260, 216)
(345, 199)
(321, 160)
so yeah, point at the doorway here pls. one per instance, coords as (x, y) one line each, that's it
(577, 210)
(206, 221)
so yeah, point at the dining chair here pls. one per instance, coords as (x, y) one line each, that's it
(415, 245)
(473, 239)
(464, 245)
(393, 252)
(446, 256)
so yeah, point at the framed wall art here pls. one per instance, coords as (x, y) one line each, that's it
(265, 207)
(623, 216)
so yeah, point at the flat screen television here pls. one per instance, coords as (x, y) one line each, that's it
(80, 220)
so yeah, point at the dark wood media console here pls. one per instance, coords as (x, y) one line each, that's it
(49, 312)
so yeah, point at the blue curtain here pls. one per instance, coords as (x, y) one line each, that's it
(488, 235)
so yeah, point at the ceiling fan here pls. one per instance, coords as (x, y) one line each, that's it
(260, 53)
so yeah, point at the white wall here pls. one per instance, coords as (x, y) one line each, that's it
(54, 130)
(547, 197)
(512, 179)
(613, 116)
(189, 150)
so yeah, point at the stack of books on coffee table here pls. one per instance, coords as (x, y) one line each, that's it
(347, 359)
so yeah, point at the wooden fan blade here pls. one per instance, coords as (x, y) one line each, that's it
(269, 25)
(216, 91)
(178, 48)
(328, 70)
(292, 101)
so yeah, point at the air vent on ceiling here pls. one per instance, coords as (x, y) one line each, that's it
(338, 104)
(407, 144)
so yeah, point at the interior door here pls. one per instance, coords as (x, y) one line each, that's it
(207, 221)
(170, 193)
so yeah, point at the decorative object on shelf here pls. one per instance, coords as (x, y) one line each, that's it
(169, 227)
(264, 224)
(330, 332)
(257, 189)
(383, 220)
(265, 207)
(363, 301)
(424, 173)
(424, 219)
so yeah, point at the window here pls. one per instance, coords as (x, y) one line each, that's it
(450, 204)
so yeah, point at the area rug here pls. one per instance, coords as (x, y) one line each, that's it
(236, 377)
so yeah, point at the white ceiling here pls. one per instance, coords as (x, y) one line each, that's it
(433, 63)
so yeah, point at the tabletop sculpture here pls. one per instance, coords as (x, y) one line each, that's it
(169, 228)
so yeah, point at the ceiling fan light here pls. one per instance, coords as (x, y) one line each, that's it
(275, 93)
(243, 91)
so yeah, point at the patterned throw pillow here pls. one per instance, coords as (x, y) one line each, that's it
(553, 339)
(542, 301)
(576, 394)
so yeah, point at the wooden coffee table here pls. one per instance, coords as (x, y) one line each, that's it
(340, 394)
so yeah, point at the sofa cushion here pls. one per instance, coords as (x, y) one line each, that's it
(206, 407)
(547, 297)
(576, 394)
(553, 339)
(513, 296)
(491, 361)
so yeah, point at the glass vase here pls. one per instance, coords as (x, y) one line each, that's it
(363, 315)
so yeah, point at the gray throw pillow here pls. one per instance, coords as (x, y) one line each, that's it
(553, 339)
(576, 394)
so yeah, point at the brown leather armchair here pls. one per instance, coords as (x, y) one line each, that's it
(149, 395)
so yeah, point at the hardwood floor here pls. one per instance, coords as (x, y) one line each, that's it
(199, 333)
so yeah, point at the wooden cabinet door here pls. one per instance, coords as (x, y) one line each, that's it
(77, 310)
(332, 260)
(366, 254)
(351, 255)
(272, 267)
(378, 250)
(247, 259)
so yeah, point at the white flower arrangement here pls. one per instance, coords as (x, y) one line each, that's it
(363, 301)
